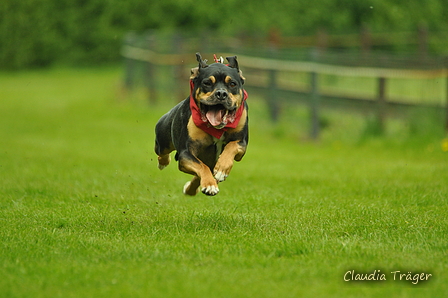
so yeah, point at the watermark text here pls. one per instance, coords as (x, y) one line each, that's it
(378, 275)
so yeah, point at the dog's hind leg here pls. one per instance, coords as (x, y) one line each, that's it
(191, 188)
(164, 144)
(163, 154)
(164, 161)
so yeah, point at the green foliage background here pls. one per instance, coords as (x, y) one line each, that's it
(41, 32)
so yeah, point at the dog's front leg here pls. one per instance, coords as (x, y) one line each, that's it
(232, 151)
(190, 164)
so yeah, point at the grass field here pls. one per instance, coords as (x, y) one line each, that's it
(86, 213)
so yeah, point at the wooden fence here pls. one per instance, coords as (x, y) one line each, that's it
(266, 76)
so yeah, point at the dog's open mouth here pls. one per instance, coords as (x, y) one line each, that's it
(217, 115)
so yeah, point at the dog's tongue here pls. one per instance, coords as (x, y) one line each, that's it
(215, 116)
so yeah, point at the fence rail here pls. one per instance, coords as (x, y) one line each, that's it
(263, 78)
(146, 55)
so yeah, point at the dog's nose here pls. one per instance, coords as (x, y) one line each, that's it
(221, 94)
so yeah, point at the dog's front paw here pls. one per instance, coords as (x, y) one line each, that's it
(209, 186)
(222, 170)
(210, 190)
(220, 176)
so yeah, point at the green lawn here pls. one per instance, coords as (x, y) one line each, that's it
(84, 211)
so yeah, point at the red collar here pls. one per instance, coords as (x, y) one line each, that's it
(203, 123)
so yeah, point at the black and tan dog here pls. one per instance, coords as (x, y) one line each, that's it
(209, 129)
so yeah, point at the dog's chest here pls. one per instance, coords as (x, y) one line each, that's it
(219, 145)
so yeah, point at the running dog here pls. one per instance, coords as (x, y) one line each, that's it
(209, 129)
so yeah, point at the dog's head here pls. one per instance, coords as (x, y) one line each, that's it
(218, 90)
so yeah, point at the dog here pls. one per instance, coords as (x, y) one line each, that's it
(209, 129)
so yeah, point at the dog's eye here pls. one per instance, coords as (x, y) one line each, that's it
(207, 83)
(232, 84)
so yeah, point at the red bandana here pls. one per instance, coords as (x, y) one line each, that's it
(205, 125)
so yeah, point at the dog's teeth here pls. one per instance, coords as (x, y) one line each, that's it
(224, 118)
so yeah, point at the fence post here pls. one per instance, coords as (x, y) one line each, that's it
(273, 104)
(149, 71)
(314, 99)
(314, 106)
(178, 70)
(129, 40)
(273, 100)
(381, 104)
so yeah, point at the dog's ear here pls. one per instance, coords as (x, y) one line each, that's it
(194, 73)
(202, 63)
(233, 62)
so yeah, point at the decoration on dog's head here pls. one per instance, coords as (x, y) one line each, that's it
(218, 60)
(233, 63)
